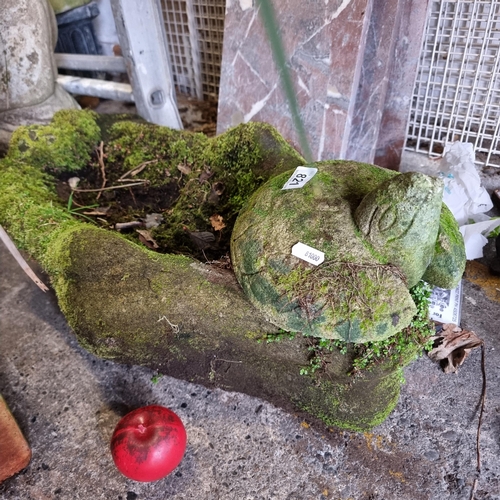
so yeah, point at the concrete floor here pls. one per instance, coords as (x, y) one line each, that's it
(67, 403)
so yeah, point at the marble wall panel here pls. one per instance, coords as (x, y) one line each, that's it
(404, 62)
(374, 80)
(353, 65)
(324, 44)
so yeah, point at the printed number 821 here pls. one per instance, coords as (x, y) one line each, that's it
(298, 179)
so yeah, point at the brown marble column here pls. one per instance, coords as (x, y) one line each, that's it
(352, 65)
(324, 43)
(403, 70)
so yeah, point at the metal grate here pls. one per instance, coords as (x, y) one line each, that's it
(210, 21)
(195, 31)
(457, 89)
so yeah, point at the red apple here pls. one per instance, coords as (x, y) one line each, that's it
(148, 443)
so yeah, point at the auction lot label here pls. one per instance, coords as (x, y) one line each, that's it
(307, 253)
(300, 177)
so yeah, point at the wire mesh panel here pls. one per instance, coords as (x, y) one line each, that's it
(210, 21)
(195, 30)
(457, 89)
(177, 28)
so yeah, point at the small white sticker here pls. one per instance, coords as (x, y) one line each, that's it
(308, 254)
(300, 177)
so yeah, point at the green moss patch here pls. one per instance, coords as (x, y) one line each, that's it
(65, 144)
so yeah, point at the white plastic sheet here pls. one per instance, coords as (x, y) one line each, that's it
(465, 197)
(463, 192)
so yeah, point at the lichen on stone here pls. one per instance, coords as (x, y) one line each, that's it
(351, 296)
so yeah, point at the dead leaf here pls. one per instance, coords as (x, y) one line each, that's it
(202, 239)
(452, 346)
(147, 239)
(183, 168)
(204, 176)
(217, 222)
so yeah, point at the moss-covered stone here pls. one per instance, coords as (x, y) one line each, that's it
(448, 264)
(378, 233)
(128, 303)
(186, 319)
(400, 218)
(30, 210)
(170, 312)
(355, 295)
(65, 144)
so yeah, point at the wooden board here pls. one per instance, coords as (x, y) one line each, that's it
(15, 453)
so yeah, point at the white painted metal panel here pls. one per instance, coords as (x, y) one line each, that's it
(457, 90)
(144, 47)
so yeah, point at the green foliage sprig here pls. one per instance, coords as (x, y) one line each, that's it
(409, 342)
(400, 348)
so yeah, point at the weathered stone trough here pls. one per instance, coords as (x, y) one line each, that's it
(192, 320)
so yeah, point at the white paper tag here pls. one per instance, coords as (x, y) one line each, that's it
(446, 305)
(300, 177)
(308, 254)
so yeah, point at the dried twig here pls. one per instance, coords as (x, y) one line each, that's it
(483, 398)
(20, 260)
(128, 225)
(213, 368)
(100, 158)
(136, 170)
(474, 487)
(109, 188)
(480, 422)
(175, 328)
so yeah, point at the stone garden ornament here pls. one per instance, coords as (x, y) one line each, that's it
(327, 270)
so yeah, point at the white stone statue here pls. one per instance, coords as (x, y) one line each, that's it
(28, 89)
